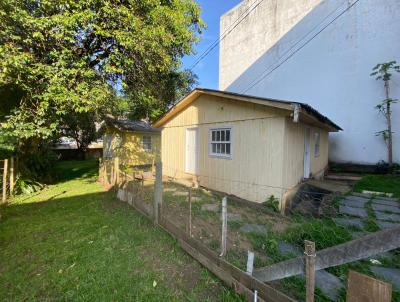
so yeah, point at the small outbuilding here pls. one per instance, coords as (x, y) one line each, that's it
(135, 143)
(243, 145)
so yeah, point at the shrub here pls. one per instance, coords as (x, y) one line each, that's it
(272, 203)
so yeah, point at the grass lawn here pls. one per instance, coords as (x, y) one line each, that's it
(379, 183)
(75, 242)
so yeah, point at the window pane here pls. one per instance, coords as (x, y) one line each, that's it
(228, 135)
(213, 136)
(146, 142)
(223, 135)
(222, 148)
(218, 135)
(228, 149)
(218, 149)
(214, 148)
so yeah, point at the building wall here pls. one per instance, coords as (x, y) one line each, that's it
(331, 72)
(255, 170)
(127, 146)
(258, 32)
(294, 153)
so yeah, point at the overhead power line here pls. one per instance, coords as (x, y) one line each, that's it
(225, 34)
(264, 75)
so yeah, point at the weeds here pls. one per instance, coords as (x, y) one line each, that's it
(272, 203)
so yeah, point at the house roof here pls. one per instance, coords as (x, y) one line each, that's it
(130, 125)
(305, 109)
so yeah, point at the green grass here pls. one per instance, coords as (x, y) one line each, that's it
(379, 183)
(75, 242)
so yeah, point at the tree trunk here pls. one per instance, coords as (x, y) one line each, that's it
(389, 125)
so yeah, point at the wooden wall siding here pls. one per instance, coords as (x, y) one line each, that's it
(319, 163)
(293, 170)
(255, 170)
(130, 152)
(267, 148)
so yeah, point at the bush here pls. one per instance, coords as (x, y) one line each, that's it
(272, 203)
(38, 165)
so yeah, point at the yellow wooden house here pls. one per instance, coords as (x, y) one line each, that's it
(243, 145)
(135, 143)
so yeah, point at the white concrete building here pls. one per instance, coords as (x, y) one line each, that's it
(320, 53)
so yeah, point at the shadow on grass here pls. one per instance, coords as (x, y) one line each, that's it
(73, 169)
(93, 247)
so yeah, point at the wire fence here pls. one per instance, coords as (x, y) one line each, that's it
(257, 238)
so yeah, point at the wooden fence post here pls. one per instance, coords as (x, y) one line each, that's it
(190, 212)
(133, 189)
(112, 174)
(5, 170)
(309, 248)
(158, 192)
(11, 175)
(100, 171)
(116, 170)
(224, 217)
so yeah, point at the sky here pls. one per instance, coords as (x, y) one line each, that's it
(207, 69)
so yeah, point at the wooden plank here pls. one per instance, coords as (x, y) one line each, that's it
(236, 278)
(364, 247)
(250, 262)
(265, 291)
(362, 288)
(190, 212)
(220, 273)
(158, 194)
(5, 170)
(11, 175)
(224, 230)
(309, 248)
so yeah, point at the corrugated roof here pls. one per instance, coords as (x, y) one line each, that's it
(131, 125)
(310, 110)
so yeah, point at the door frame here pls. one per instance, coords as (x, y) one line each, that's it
(196, 154)
(307, 153)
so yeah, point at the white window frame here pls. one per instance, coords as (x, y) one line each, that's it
(144, 147)
(317, 143)
(211, 142)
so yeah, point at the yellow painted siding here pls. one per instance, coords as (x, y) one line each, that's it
(319, 163)
(254, 171)
(127, 146)
(294, 153)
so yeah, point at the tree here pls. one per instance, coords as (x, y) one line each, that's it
(81, 127)
(65, 57)
(383, 72)
(170, 88)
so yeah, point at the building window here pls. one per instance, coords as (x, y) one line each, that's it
(220, 142)
(317, 139)
(146, 142)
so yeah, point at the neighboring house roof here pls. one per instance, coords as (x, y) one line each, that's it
(286, 105)
(130, 125)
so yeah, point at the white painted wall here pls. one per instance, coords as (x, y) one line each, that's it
(331, 73)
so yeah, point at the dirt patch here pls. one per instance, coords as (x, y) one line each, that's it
(183, 277)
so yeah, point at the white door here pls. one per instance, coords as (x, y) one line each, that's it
(307, 158)
(191, 150)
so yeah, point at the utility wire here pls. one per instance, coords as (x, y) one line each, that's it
(225, 34)
(301, 47)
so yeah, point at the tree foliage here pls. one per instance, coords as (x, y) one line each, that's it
(81, 127)
(63, 58)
